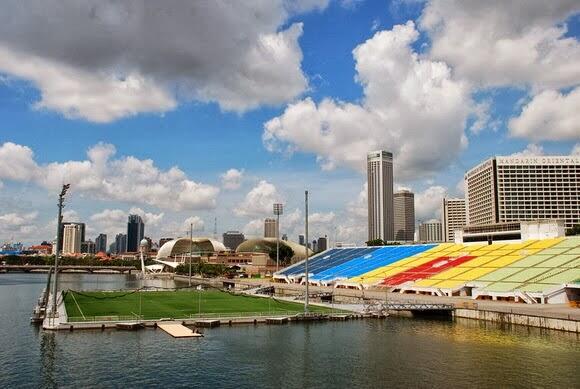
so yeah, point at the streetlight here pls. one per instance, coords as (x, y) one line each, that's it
(58, 242)
(278, 210)
(306, 260)
(190, 250)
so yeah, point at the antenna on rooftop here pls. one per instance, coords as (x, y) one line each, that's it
(215, 227)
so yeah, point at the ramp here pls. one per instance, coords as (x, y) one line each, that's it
(178, 330)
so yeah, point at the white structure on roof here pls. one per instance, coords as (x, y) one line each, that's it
(177, 251)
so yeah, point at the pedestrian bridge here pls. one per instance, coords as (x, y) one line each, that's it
(67, 268)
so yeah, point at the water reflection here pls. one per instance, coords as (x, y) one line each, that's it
(47, 359)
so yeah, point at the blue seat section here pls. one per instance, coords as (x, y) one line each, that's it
(298, 267)
(329, 260)
(366, 262)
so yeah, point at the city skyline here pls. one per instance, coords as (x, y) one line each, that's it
(218, 151)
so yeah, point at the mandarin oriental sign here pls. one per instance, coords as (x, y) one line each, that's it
(546, 160)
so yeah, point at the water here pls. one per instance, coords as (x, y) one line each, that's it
(396, 352)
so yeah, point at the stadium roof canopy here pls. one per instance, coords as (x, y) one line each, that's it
(265, 245)
(183, 246)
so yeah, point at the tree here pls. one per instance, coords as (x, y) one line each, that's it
(286, 254)
(376, 242)
(573, 231)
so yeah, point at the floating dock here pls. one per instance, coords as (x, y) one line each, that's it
(178, 330)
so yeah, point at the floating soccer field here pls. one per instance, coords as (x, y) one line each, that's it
(153, 305)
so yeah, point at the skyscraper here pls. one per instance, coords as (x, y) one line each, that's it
(135, 233)
(232, 239)
(301, 240)
(380, 195)
(82, 228)
(101, 243)
(120, 243)
(71, 241)
(270, 228)
(454, 218)
(322, 243)
(404, 210)
(510, 189)
(431, 231)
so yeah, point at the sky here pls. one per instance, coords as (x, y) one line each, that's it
(206, 113)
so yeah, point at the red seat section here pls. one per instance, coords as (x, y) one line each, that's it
(426, 270)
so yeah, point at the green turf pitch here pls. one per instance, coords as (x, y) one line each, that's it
(171, 304)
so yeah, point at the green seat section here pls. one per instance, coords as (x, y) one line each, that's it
(526, 274)
(530, 261)
(569, 243)
(566, 277)
(557, 261)
(574, 251)
(502, 286)
(499, 274)
(553, 251)
(574, 263)
(535, 287)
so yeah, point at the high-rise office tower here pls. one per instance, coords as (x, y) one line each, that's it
(322, 243)
(88, 247)
(135, 233)
(71, 241)
(510, 189)
(82, 228)
(404, 209)
(270, 228)
(454, 218)
(101, 243)
(120, 243)
(232, 239)
(301, 240)
(380, 195)
(431, 231)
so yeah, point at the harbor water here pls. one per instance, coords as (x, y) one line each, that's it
(396, 352)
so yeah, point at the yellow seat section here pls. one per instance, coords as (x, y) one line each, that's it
(449, 284)
(479, 261)
(545, 243)
(448, 274)
(426, 282)
(474, 274)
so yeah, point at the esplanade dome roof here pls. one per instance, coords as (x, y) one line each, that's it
(185, 245)
(265, 245)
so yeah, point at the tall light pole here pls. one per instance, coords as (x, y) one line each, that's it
(306, 236)
(190, 250)
(278, 210)
(65, 187)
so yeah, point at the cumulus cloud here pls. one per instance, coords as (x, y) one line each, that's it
(531, 150)
(232, 179)
(428, 203)
(127, 179)
(575, 150)
(105, 60)
(412, 106)
(18, 225)
(259, 200)
(504, 43)
(550, 115)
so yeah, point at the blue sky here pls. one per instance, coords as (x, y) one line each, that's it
(291, 99)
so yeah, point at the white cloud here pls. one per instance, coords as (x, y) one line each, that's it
(126, 179)
(150, 219)
(254, 228)
(102, 61)
(194, 222)
(530, 151)
(97, 97)
(504, 43)
(412, 107)
(550, 115)
(428, 203)
(259, 200)
(18, 225)
(575, 150)
(232, 179)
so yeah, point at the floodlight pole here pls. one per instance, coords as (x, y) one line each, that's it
(306, 261)
(278, 210)
(190, 249)
(59, 239)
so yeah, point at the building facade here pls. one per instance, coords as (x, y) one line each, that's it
(270, 227)
(88, 247)
(301, 240)
(120, 243)
(510, 189)
(380, 195)
(101, 243)
(232, 239)
(71, 240)
(135, 233)
(82, 228)
(431, 231)
(322, 243)
(454, 217)
(404, 213)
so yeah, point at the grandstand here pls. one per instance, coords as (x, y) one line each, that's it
(533, 271)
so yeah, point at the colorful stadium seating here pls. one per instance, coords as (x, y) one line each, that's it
(528, 270)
